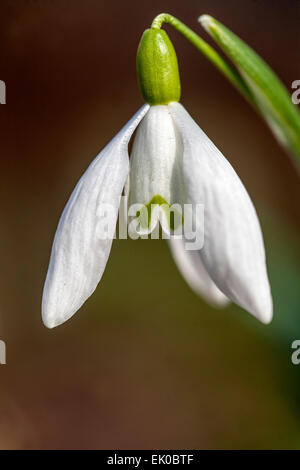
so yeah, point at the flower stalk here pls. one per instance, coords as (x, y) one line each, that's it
(209, 52)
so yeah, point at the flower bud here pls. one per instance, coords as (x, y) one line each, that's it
(157, 68)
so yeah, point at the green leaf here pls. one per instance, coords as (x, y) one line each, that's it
(270, 96)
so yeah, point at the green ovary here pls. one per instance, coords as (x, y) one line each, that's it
(157, 68)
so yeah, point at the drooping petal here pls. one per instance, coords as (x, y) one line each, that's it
(191, 267)
(80, 249)
(233, 251)
(156, 162)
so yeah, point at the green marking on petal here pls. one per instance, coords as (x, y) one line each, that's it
(173, 216)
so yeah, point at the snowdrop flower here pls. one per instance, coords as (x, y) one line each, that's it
(172, 161)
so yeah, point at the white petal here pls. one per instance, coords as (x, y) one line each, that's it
(233, 251)
(79, 255)
(156, 160)
(191, 267)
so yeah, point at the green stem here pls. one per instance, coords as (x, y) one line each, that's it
(230, 73)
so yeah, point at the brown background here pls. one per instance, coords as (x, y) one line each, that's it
(144, 364)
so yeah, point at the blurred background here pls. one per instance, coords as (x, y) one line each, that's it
(145, 363)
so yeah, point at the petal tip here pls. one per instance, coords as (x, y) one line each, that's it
(267, 317)
(264, 312)
(50, 318)
(221, 302)
(49, 321)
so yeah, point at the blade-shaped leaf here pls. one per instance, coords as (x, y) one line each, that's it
(270, 95)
